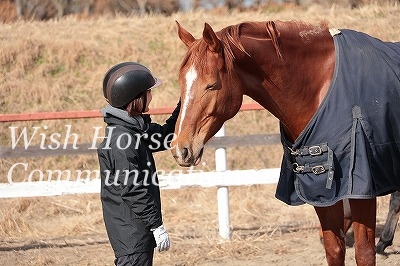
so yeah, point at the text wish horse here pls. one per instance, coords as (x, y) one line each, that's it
(336, 94)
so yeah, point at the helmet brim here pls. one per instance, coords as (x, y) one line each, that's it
(158, 83)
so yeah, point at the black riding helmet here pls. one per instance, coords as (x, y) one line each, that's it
(126, 81)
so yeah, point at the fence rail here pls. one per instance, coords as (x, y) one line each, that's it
(173, 181)
(95, 113)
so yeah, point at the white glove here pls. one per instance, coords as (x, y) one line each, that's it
(162, 238)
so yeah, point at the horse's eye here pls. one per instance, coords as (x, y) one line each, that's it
(211, 86)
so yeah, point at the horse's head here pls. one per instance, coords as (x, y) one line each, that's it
(210, 94)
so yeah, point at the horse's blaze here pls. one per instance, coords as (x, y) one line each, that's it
(183, 150)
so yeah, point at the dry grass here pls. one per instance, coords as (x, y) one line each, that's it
(68, 230)
(190, 215)
(59, 65)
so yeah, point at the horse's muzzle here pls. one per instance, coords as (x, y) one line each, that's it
(186, 157)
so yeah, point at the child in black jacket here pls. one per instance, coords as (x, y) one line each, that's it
(130, 193)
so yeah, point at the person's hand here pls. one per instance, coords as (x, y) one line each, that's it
(162, 238)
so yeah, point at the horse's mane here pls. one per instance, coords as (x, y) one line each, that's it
(231, 34)
(230, 37)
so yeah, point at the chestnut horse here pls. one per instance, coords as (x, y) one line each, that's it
(296, 71)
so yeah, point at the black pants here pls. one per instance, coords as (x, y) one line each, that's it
(136, 259)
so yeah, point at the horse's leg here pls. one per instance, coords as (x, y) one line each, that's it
(389, 229)
(331, 219)
(364, 222)
(347, 220)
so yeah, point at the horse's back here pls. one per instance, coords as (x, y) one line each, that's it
(367, 43)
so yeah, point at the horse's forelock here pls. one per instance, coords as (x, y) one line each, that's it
(196, 55)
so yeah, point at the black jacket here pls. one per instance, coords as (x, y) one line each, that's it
(130, 193)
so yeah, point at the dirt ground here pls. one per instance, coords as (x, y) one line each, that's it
(68, 230)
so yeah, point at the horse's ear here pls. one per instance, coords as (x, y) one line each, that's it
(184, 35)
(211, 38)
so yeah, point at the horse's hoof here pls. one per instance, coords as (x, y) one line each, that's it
(381, 246)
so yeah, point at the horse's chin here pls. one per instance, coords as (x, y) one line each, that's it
(188, 164)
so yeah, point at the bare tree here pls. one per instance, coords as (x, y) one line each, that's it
(142, 6)
(126, 8)
(60, 6)
(129, 6)
(35, 9)
(232, 4)
(87, 7)
(18, 6)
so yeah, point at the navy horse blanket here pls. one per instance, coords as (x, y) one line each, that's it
(351, 146)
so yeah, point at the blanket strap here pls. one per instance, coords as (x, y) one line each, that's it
(316, 169)
(315, 150)
(311, 150)
(329, 180)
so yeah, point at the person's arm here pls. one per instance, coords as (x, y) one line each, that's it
(160, 136)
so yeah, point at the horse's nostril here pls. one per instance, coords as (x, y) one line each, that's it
(201, 152)
(185, 153)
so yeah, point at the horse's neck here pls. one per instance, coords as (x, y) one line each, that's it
(294, 87)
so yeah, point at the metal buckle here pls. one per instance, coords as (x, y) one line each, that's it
(318, 169)
(294, 152)
(298, 168)
(315, 150)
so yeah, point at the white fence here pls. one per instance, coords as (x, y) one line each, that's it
(200, 179)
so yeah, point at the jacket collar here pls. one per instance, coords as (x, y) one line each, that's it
(118, 116)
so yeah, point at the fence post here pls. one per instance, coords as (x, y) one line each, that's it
(222, 193)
